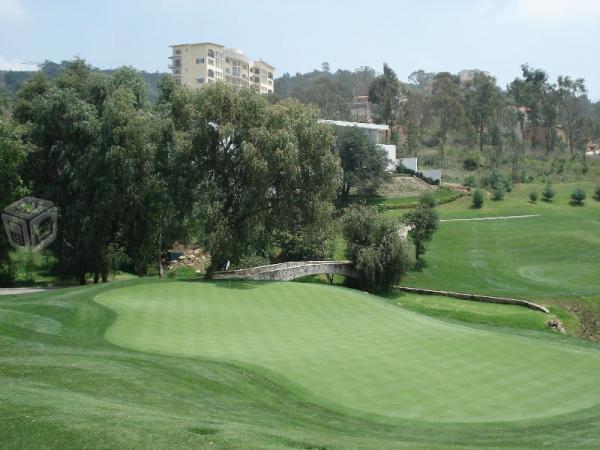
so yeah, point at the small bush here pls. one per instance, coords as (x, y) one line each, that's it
(427, 199)
(533, 196)
(472, 162)
(578, 196)
(548, 193)
(470, 182)
(478, 198)
(497, 180)
(498, 194)
(597, 193)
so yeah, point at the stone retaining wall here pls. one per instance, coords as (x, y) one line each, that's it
(477, 298)
(291, 270)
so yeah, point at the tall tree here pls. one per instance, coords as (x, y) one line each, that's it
(570, 108)
(528, 93)
(384, 94)
(364, 163)
(447, 106)
(482, 98)
(258, 169)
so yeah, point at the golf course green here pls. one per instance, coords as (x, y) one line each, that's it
(357, 354)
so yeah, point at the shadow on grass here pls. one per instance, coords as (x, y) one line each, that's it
(229, 284)
(576, 203)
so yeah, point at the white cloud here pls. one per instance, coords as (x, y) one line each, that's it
(8, 64)
(571, 11)
(11, 9)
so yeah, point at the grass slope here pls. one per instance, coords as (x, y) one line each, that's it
(357, 352)
(553, 256)
(63, 385)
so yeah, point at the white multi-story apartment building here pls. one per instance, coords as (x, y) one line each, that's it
(196, 65)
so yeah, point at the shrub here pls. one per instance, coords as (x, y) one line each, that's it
(548, 193)
(7, 273)
(478, 198)
(252, 260)
(427, 199)
(533, 196)
(498, 194)
(578, 196)
(497, 180)
(470, 182)
(472, 162)
(597, 193)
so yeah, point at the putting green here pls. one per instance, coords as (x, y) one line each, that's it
(354, 352)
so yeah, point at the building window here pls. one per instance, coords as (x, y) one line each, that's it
(270, 81)
(211, 53)
(270, 91)
(176, 71)
(236, 71)
(209, 81)
(270, 75)
(211, 73)
(199, 60)
(227, 60)
(199, 80)
(227, 70)
(257, 71)
(177, 52)
(211, 61)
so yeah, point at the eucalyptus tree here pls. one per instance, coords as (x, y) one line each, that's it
(447, 107)
(571, 112)
(384, 94)
(482, 98)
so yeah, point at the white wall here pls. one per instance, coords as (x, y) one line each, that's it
(434, 174)
(391, 154)
(409, 163)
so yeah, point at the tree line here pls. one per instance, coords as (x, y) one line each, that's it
(246, 177)
(532, 112)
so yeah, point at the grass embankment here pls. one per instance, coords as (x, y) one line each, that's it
(211, 364)
(552, 258)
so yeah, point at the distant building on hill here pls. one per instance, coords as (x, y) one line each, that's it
(469, 74)
(361, 109)
(196, 65)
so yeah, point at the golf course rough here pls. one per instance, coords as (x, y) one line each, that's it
(355, 353)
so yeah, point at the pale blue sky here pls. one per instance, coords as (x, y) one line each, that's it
(560, 36)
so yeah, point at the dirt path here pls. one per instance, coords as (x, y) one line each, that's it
(524, 216)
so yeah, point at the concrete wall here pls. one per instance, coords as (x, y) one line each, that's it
(434, 174)
(409, 163)
(391, 152)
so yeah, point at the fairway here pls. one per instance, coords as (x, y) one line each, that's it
(553, 255)
(356, 353)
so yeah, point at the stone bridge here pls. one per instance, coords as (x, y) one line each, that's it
(291, 270)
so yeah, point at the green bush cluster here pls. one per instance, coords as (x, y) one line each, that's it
(478, 198)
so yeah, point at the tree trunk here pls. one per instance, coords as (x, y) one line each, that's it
(212, 268)
(161, 270)
(96, 277)
(82, 278)
(104, 276)
(481, 129)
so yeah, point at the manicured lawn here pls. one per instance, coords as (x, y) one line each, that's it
(356, 353)
(307, 364)
(554, 256)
